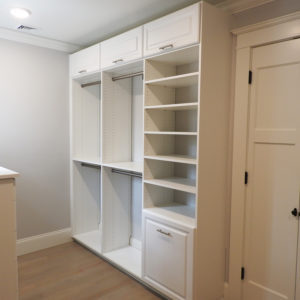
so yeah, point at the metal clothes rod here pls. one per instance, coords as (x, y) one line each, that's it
(90, 83)
(127, 76)
(134, 174)
(90, 166)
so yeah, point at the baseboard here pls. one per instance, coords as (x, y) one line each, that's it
(43, 241)
(226, 291)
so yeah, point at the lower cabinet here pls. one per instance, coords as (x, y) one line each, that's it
(168, 256)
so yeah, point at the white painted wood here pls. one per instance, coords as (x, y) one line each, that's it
(6, 173)
(86, 111)
(91, 240)
(116, 119)
(177, 29)
(8, 236)
(86, 199)
(170, 133)
(174, 158)
(43, 241)
(116, 207)
(174, 107)
(128, 258)
(271, 232)
(176, 81)
(240, 133)
(166, 272)
(126, 166)
(122, 48)
(85, 61)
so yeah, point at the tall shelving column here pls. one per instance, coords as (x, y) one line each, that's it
(170, 133)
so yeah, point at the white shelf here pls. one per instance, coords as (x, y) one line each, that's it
(176, 183)
(88, 162)
(174, 107)
(131, 166)
(128, 258)
(171, 132)
(175, 212)
(92, 240)
(185, 159)
(176, 81)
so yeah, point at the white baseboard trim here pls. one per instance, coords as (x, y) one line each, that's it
(135, 243)
(43, 241)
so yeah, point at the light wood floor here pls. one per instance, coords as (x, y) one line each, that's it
(70, 272)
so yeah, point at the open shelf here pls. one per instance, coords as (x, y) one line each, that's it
(128, 258)
(174, 158)
(177, 81)
(171, 132)
(174, 107)
(175, 212)
(131, 166)
(92, 240)
(176, 183)
(87, 162)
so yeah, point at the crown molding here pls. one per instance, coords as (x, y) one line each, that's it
(34, 40)
(267, 23)
(237, 6)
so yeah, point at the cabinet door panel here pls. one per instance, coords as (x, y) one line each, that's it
(165, 256)
(172, 31)
(122, 48)
(85, 61)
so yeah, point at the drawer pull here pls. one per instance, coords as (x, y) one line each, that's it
(82, 71)
(163, 232)
(166, 47)
(118, 60)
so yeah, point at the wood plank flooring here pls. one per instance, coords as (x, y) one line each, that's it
(71, 272)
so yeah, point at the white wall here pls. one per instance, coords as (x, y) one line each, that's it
(34, 134)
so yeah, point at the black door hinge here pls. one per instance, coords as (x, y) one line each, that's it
(250, 77)
(246, 178)
(242, 273)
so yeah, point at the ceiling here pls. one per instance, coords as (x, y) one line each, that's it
(84, 22)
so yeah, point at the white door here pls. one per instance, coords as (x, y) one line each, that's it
(271, 230)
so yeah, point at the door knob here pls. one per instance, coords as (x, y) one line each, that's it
(294, 212)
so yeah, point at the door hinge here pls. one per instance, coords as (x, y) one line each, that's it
(250, 77)
(246, 178)
(242, 273)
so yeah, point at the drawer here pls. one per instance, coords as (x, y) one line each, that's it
(122, 48)
(168, 256)
(85, 61)
(172, 31)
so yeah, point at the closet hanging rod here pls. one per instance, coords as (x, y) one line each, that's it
(134, 174)
(127, 76)
(90, 83)
(90, 166)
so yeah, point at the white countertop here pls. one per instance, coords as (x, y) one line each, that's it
(5, 173)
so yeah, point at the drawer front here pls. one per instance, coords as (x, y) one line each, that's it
(165, 261)
(172, 31)
(85, 61)
(124, 47)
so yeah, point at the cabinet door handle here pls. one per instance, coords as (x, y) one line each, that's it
(118, 60)
(166, 47)
(163, 232)
(82, 71)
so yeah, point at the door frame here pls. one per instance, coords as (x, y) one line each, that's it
(267, 32)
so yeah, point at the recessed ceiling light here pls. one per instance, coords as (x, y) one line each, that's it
(20, 13)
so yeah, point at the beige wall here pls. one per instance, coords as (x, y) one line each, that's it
(34, 134)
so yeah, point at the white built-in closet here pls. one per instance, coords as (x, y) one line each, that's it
(149, 122)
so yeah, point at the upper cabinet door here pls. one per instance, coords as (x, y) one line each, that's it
(85, 61)
(172, 31)
(122, 48)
